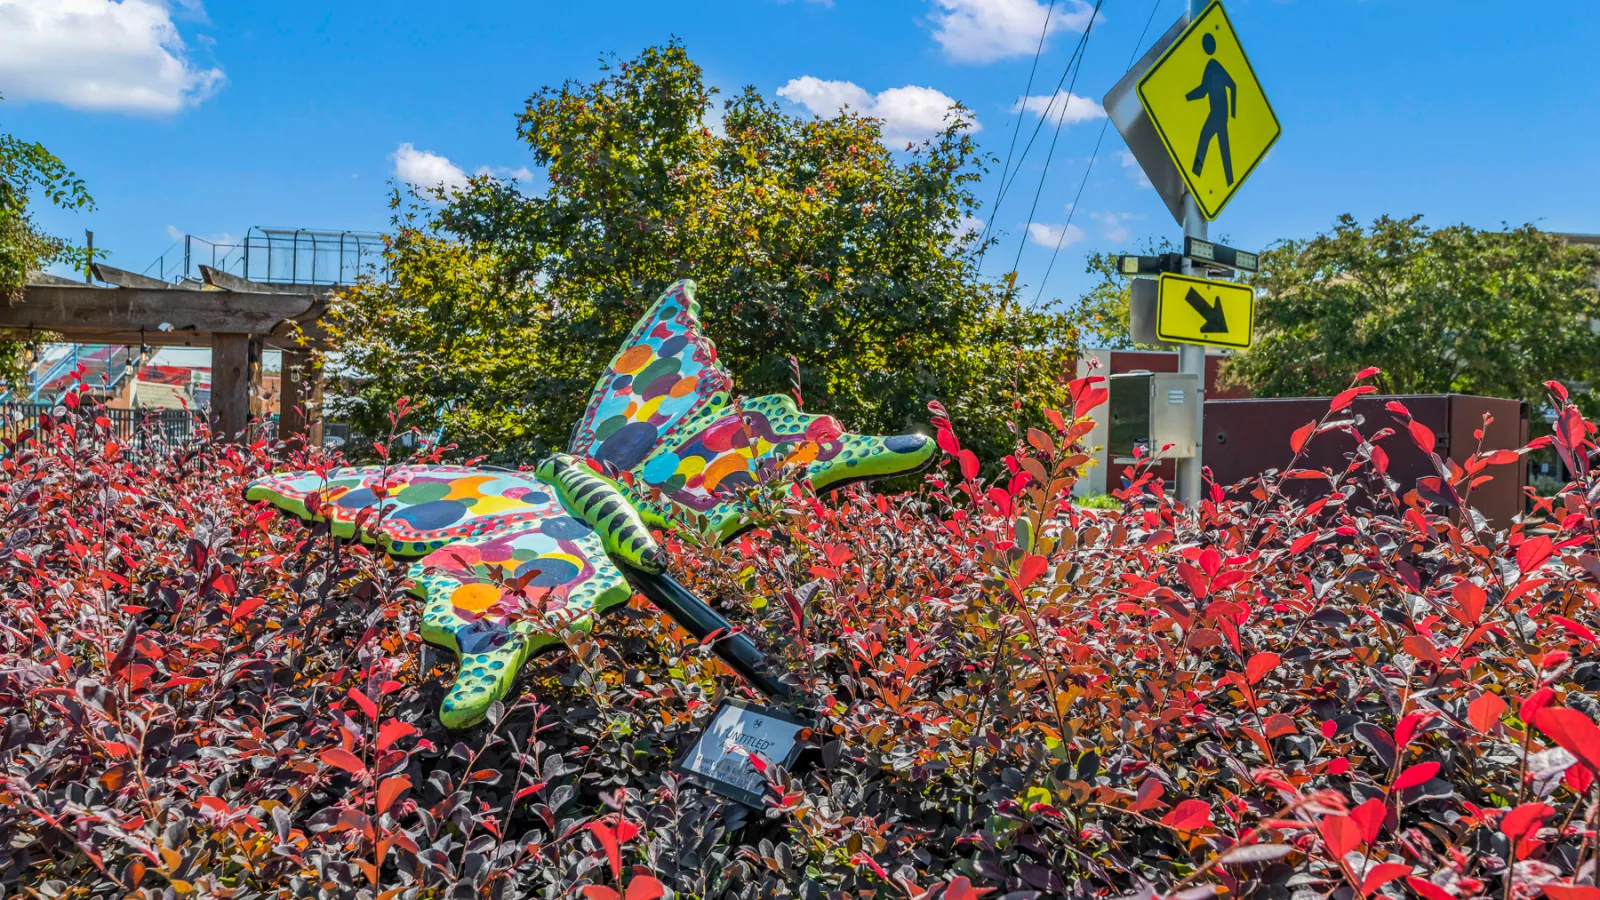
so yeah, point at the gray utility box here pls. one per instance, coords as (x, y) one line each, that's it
(1152, 410)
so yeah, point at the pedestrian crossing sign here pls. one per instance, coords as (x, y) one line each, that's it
(1212, 115)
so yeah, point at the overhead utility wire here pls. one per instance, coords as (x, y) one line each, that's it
(1050, 154)
(1060, 241)
(1016, 127)
(1005, 183)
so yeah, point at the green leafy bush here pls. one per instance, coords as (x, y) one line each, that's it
(819, 252)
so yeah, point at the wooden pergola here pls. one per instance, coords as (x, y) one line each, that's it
(236, 318)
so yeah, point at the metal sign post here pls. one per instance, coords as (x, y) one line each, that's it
(1196, 119)
(1191, 357)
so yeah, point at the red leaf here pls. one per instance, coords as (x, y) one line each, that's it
(599, 892)
(646, 887)
(1484, 713)
(1416, 775)
(1501, 458)
(1557, 388)
(365, 702)
(1341, 833)
(393, 730)
(1470, 598)
(1573, 731)
(1300, 436)
(531, 789)
(1260, 665)
(246, 607)
(1370, 816)
(390, 791)
(1571, 892)
(1345, 398)
(1398, 408)
(960, 888)
(1381, 874)
(1032, 567)
(1536, 701)
(607, 836)
(1190, 815)
(1406, 729)
(1150, 791)
(1422, 434)
(344, 759)
(1428, 890)
(1533, 552)
(1524, 819)
(1422, 648)
(969, 464)
(1368, 372)
(1302, 542)
(1577, 628)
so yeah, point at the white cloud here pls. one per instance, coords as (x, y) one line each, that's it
(175, 233)
(1047, 235)
(101, 55)
(1061, 106)
(980, 31)
(968, 225)
(521, 173)
(1115, 225)
(427, 169)
(909, 114)
(1138, 175)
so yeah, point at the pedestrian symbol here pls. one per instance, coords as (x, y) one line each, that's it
(1204, 100)
(1217, 87)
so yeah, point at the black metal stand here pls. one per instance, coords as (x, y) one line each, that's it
(700, 620)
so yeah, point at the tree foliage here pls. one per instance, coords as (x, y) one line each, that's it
(1449, 309)
(25, 167)
(809, 238)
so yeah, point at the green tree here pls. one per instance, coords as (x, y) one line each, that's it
(1450, 309)
(25, 167)
(808, 237)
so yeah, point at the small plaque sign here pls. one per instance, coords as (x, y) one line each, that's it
(715, 764)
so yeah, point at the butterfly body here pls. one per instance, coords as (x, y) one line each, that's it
(510, 559)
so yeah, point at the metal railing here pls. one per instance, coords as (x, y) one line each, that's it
(139, 430)
(277, 256)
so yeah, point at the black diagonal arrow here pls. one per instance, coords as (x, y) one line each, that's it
(1215, 321)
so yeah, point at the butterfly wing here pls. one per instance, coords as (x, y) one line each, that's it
(665, 374)
(497, 598)
(709, 465)
(421, 508)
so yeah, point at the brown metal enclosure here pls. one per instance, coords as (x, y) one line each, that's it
(1244, 438)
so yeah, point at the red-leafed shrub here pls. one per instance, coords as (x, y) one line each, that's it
(1363, 693)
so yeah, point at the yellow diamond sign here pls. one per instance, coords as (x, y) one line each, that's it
(1205, 102)
(1202, 311)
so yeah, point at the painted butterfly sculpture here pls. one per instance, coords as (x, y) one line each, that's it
(569, 536)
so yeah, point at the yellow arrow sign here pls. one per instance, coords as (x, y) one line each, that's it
(1201, 311)
(1205, 102)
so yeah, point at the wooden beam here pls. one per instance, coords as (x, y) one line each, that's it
(300, 400)
(78, 310)
(230, 386)
(47, 278)
(124, 278)
(219, 279)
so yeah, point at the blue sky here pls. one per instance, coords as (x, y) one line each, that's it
(208, 118)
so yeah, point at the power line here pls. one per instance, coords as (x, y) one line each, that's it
(1005, 184)
(1093, 157)
(1016, 128)
(1060, 121)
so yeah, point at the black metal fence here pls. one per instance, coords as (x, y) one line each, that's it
(135, 429)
